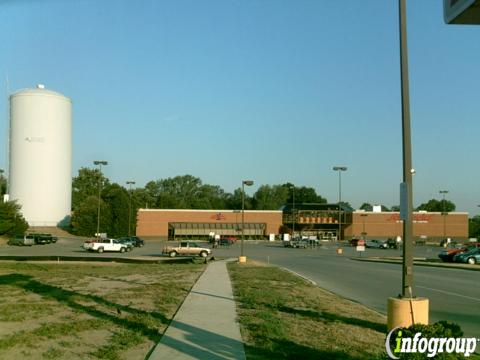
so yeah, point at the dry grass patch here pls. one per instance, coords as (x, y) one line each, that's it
(284, 317)
(84, 311)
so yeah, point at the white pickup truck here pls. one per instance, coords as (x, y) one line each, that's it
(101, 245)
(187, 248)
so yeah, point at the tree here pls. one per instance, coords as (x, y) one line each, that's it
(346, 205)
(3, 184)
(117, 200)
(435, 205)
(11, 220)
(304, 194)
(270, 197)
(366, 207)
(84, 218)
(86, 184)
(474, 227)
(395, 208)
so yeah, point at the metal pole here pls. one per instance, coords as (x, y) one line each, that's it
(293, 211)
(407, 269)
(443, 192)
(339, 205)
(99, 194)
(339, 169)
(130, 183)
(243, 217)
(99, 163)
(248, 183)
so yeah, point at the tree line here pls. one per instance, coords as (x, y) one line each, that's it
(179, 192)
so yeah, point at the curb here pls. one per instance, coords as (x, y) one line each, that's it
(97, 259)
(421, 263)
(299, 275)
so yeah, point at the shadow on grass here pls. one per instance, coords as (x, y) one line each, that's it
(71, 298)
(284, 349)
(330, 317)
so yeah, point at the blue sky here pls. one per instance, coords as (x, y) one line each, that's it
(273, 91)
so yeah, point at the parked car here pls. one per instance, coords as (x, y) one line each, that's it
(42, 239)
(376, 244)
(21, 240)
(470, 257)
(227, 240)
(128, 242)
(101, 245)
(301, 244)
(187, 248)
(137, 242)
(448, 254)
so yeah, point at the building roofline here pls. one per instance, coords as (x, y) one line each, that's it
(212, 211)
(415, 212)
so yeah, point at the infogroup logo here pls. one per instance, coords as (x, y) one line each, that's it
(429, 346)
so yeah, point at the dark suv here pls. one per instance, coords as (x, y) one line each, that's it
(137, 242)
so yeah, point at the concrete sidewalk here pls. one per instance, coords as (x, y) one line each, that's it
(205, 326)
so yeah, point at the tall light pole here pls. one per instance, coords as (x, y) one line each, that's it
(130, 183)
(99, 163)
(363, 232)
(293, 210)
(339, 169)
(444, 213)
(248, 183)
(407, 185)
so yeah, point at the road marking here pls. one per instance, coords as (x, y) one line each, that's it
(449, 293)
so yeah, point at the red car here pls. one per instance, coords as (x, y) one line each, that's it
(448, 254)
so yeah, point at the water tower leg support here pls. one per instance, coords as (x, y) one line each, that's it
(403, 312)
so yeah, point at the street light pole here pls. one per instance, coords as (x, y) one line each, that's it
(339, 169)
(99, 163)
(130, 183)
(407, 273)
(444, 213)
(248, 183)
(363, 232)
(293, 211)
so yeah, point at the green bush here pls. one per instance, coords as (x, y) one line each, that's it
(11, 220)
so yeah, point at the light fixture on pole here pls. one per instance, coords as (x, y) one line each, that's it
(339, 169)
(130, 183)
(99, 163)
(444, 213)
(247, 183)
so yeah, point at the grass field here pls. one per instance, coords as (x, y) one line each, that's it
(283, 317)
(88, 310)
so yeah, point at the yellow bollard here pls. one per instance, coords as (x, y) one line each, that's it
(403, 312)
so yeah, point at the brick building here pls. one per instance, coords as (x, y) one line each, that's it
(177, 223)
(321, 220)
(426, 225)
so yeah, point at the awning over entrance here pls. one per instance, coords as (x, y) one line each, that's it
(177, 229)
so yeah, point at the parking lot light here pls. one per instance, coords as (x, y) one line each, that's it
(130, 183)
(99, 163)
(339, 169)
(247, 183)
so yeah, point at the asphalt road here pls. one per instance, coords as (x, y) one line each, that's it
(454, 294)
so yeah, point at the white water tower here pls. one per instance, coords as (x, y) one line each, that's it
(41, 155)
